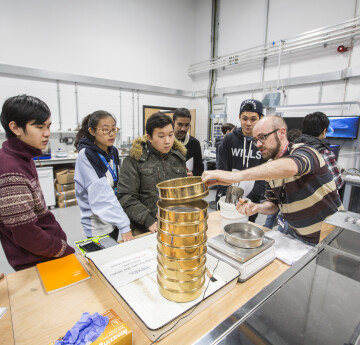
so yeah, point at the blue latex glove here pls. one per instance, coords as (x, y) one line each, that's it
(86, 330)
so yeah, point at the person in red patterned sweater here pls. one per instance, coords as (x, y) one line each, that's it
(29, 233)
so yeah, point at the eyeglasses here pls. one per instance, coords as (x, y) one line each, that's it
(106, 131)
(262, 138)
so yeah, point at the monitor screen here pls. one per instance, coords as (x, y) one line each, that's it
(343, 127)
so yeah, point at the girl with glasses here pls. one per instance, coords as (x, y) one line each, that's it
(96, 177)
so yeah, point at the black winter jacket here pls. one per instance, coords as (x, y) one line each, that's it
(139, 175)
(312, 141)
(193, 148)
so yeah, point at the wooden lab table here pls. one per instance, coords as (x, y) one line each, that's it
(38, 318)
(6, 330)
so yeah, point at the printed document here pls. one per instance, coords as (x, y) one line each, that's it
(124, 270)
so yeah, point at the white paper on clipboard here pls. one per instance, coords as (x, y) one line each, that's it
(190, 164)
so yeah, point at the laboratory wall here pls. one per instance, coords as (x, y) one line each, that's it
(143, 42)
(148, 42)
(242, 27)
(74, 103)
(155, 42)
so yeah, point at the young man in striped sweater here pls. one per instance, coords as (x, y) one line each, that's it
(299, 182)
(29, 233)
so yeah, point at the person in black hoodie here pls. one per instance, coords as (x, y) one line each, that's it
(237, 151)
(315, 126)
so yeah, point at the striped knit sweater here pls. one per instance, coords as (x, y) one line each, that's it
(29, 232)
(309, 197)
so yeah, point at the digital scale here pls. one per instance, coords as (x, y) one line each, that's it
(247, 261)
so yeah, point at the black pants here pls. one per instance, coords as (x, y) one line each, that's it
(115, 233)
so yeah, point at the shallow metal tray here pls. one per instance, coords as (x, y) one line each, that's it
(243, 235)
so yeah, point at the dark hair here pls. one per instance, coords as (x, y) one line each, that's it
(315, 123)
(22, 109)
(293, 134)
(227, 127)
(158, 120)
(181, 112)
(90, 121)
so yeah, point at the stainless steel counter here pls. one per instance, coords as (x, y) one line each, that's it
(55, 161)
(350, 182)
(63, 160)
(316, 301)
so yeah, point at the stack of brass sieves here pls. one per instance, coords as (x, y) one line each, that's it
(182, 225)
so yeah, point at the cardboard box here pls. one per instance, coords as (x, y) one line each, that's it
(66, 203)
(64, 187)
(65, 176)
(115, 333)
(68, 195)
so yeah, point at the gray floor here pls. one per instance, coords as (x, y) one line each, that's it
(69, 219)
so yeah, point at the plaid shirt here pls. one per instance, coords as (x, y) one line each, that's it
(330, 160)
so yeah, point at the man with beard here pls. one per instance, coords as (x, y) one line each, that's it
(298, 181)
(182, 119)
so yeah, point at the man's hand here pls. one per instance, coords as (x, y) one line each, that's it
(2, 275)
(127, 236)
(246, 207)
(189, 173)
(153, 228)
(218, 177)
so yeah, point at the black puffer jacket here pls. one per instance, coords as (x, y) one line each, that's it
(312, 141)
(139, 175)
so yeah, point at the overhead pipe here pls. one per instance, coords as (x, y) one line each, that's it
(77, 104)
(269, 52)
(59, 104)
(340, 31)
(213, 54)
(320, 92)
(290, 41)
(279, 64)
(138, 114)
(133, 115)
(349, 57)
(120, 118)
(265, 38)
(356, 163)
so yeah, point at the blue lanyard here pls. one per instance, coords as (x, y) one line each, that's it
(112, 171)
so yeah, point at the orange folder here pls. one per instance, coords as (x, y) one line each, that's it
(60, 273)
